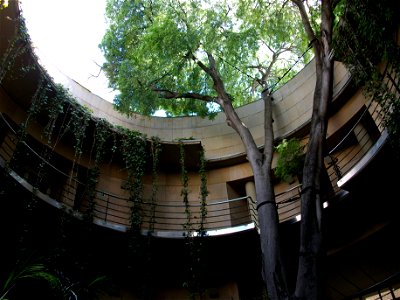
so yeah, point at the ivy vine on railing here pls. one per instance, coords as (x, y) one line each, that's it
(38, 101)
(367, 36)
(203, 194)
(19, 45)
(100, 137)
(79, 122)
(155, 154)
(187, 226)
(194, 242)
(199, 242)
(135, 156)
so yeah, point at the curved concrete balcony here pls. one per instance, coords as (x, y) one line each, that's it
(355, 134)
(167, 218)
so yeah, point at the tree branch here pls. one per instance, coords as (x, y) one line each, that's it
(167, 94)
(306, 22)
(98, 74)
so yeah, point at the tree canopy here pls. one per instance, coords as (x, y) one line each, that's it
(158, 52)
(185, 56)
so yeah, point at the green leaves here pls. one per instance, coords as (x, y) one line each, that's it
(163, 46)
(365, 37)
(290, 160)
(28, 271)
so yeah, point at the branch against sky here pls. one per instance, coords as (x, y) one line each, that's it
(156, 46)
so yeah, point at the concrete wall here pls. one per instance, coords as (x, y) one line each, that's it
(291, 110)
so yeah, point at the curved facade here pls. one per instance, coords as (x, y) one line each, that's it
(44, 161)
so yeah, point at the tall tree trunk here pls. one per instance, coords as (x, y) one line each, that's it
(272, 267)
(309, 277)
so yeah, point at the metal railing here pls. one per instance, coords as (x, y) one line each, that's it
(115, 210)
(65, 190)
(388, 288)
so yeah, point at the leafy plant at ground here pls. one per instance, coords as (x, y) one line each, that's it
(30, 273)
(26, 271)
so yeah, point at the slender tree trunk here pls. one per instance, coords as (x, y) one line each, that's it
(272, 267)
(309, 277)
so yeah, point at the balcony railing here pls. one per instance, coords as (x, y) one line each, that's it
(168, 218)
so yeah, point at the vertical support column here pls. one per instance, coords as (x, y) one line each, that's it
(251, 193)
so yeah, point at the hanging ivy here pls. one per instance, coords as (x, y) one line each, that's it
(194, 241)
(203, 194)
(100, 137)
(187, 226)
(55, 107)
(135, 156)
(155, 154)
(198, 262)
(79, 122)
(19, 45)
(364, 38)
(38, 101)
(148, 270)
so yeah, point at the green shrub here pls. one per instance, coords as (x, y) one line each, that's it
(290, 160)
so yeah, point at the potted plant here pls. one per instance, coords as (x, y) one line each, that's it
(290, 161)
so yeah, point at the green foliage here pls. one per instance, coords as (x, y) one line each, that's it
(194, 241)
(84, 288)
(134, 153)
(155, 51)
(135, 157)
(102, 134)
(365, 37)
(155, 154)
(290, 160)
(187, 227)
(19, 45)
(28, 270)
(79, 122)
(60, 286)
(203, 194)
(3, 4)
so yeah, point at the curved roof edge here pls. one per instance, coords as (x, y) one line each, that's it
(292, 111)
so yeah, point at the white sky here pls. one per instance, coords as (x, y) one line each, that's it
(66, 35)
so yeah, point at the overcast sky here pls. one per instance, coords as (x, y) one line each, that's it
(66, 35)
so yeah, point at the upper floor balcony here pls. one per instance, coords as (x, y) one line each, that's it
(48, 165)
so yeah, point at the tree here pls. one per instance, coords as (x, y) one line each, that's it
(194, 56)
